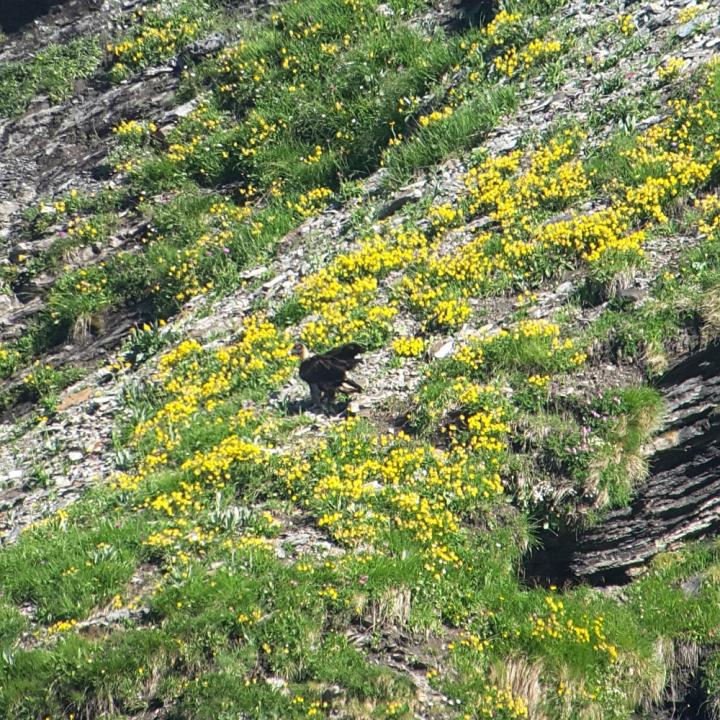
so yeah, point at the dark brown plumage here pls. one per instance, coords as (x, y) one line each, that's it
(326, 373)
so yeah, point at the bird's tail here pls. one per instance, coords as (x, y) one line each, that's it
(349, 386)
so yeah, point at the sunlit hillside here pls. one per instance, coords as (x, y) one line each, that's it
(513, 208)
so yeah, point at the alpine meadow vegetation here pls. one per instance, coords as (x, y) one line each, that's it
(250, 557)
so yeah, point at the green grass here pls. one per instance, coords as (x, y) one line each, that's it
(158, 33)
(12, 623)
(44, 383)
(683, 302)
(79, 234)
(95, 677)
(619, 466)
(83, 566)
(711, 681)
(347, 86)
(670, 609)
(590, 447)
(463, 130)
(285, 567)
(52, 71)
(382, 64)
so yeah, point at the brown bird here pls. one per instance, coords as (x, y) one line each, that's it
(326, 373)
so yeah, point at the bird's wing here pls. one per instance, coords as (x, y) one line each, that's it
(345, 352)
(321, 370)
(344, 355)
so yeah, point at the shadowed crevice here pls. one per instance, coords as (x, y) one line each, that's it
(15, 14)
(457, 15)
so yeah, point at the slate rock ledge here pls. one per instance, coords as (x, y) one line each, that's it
(680, 500)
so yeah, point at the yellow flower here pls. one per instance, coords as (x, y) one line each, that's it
(670, 69)
(408, 346)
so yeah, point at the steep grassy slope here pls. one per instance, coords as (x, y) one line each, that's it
(187, 538)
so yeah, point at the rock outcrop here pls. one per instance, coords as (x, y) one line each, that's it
(680, 501)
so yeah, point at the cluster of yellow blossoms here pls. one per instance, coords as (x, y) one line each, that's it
(517, 190)
(366, 489)
(709, 208)
(132, 129)
(154, 39)
(61, 626)
(512, 60)
(494, 701)
(626, 24)
(194, 381)
(501, 25)
(91, 282)
(690, 12)
(311, 202)
(556, 625)
(217, 465)
(504, 30)
(670, 68)
(363, 488)
(408, 346)
(343, 294)
(82, 229)
(435, 116)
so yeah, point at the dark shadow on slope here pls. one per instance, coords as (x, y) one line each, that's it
(14, 14)
(456, 15)
(685, 697)
(693, 704)
(549, 562)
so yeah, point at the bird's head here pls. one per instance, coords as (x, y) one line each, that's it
(300, 351)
